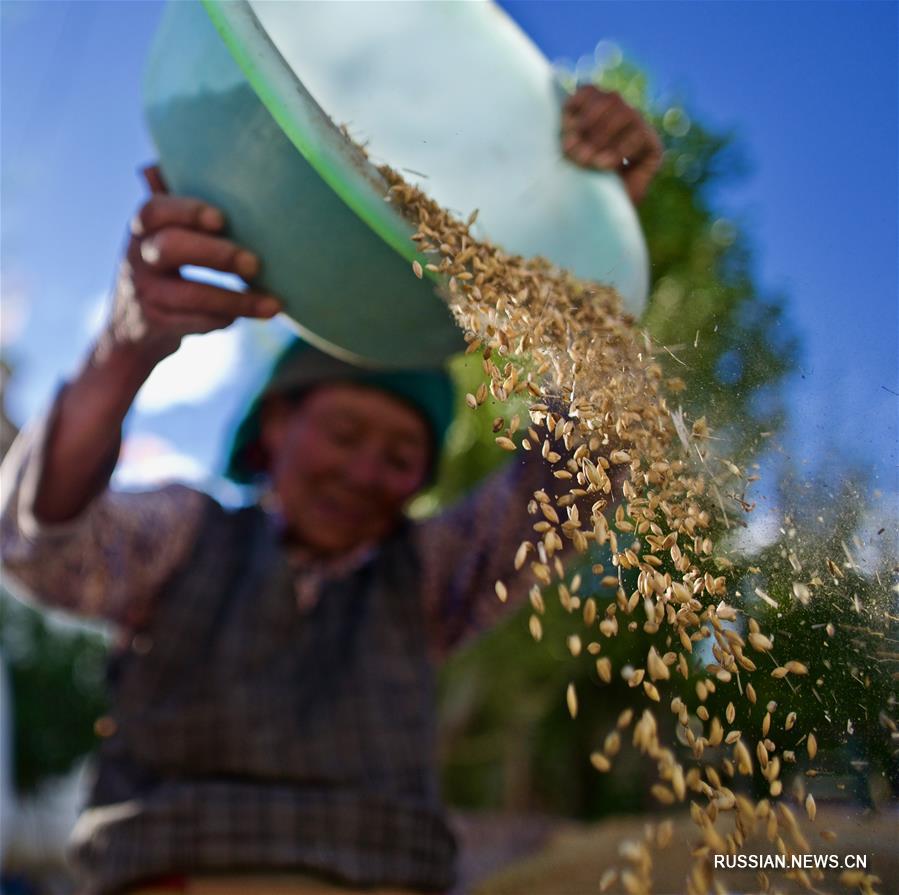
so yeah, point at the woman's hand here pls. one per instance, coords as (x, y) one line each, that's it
(154, 306)
(600, 130)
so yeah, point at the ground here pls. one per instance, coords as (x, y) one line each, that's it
(561, 858)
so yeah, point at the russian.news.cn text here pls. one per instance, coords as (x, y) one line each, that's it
(790, 862)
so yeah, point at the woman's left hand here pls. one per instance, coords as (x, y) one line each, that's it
(600, 130)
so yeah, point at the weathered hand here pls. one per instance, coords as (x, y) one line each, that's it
(154, 306)
(600, 130)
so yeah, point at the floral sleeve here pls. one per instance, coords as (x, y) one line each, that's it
(107, 563)
(466, 549)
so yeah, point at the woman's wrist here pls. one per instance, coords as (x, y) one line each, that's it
(130, 361)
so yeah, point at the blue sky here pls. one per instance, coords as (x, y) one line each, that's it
(809, 88)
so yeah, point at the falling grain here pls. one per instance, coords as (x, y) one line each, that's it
(812, 746)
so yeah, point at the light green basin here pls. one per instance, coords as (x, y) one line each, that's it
(450, 90)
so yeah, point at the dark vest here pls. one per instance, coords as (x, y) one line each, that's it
(252, 736)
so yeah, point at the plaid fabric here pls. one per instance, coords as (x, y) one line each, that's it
(250, 735)
(108, 563)
(273, 712)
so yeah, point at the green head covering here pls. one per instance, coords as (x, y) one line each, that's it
(300, 367)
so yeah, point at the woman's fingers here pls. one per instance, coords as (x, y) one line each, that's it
(608, 132)
(620, 149)
(187, 324)
(184, 323)
(592, 113)
(600, 130)
(172, 297)
(585, 155)
(169, 249)
(154, 179)
(169, 232)
(584, 96)
(585, 152)
(634, 144)
(176, 211)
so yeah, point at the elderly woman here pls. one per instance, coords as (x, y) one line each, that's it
(272, 722)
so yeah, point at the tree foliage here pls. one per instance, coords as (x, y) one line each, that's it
(56, 678)
(54, 672)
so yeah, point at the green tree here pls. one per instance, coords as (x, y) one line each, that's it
(55, 674)
(56, 678)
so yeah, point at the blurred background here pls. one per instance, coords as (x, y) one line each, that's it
(772, 231)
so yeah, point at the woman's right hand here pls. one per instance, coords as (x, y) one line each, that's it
(154, 306)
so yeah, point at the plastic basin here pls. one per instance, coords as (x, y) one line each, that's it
(242, 98)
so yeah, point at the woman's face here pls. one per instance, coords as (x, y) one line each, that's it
(343, 463)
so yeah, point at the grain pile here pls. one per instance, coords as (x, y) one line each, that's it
(635, 475)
